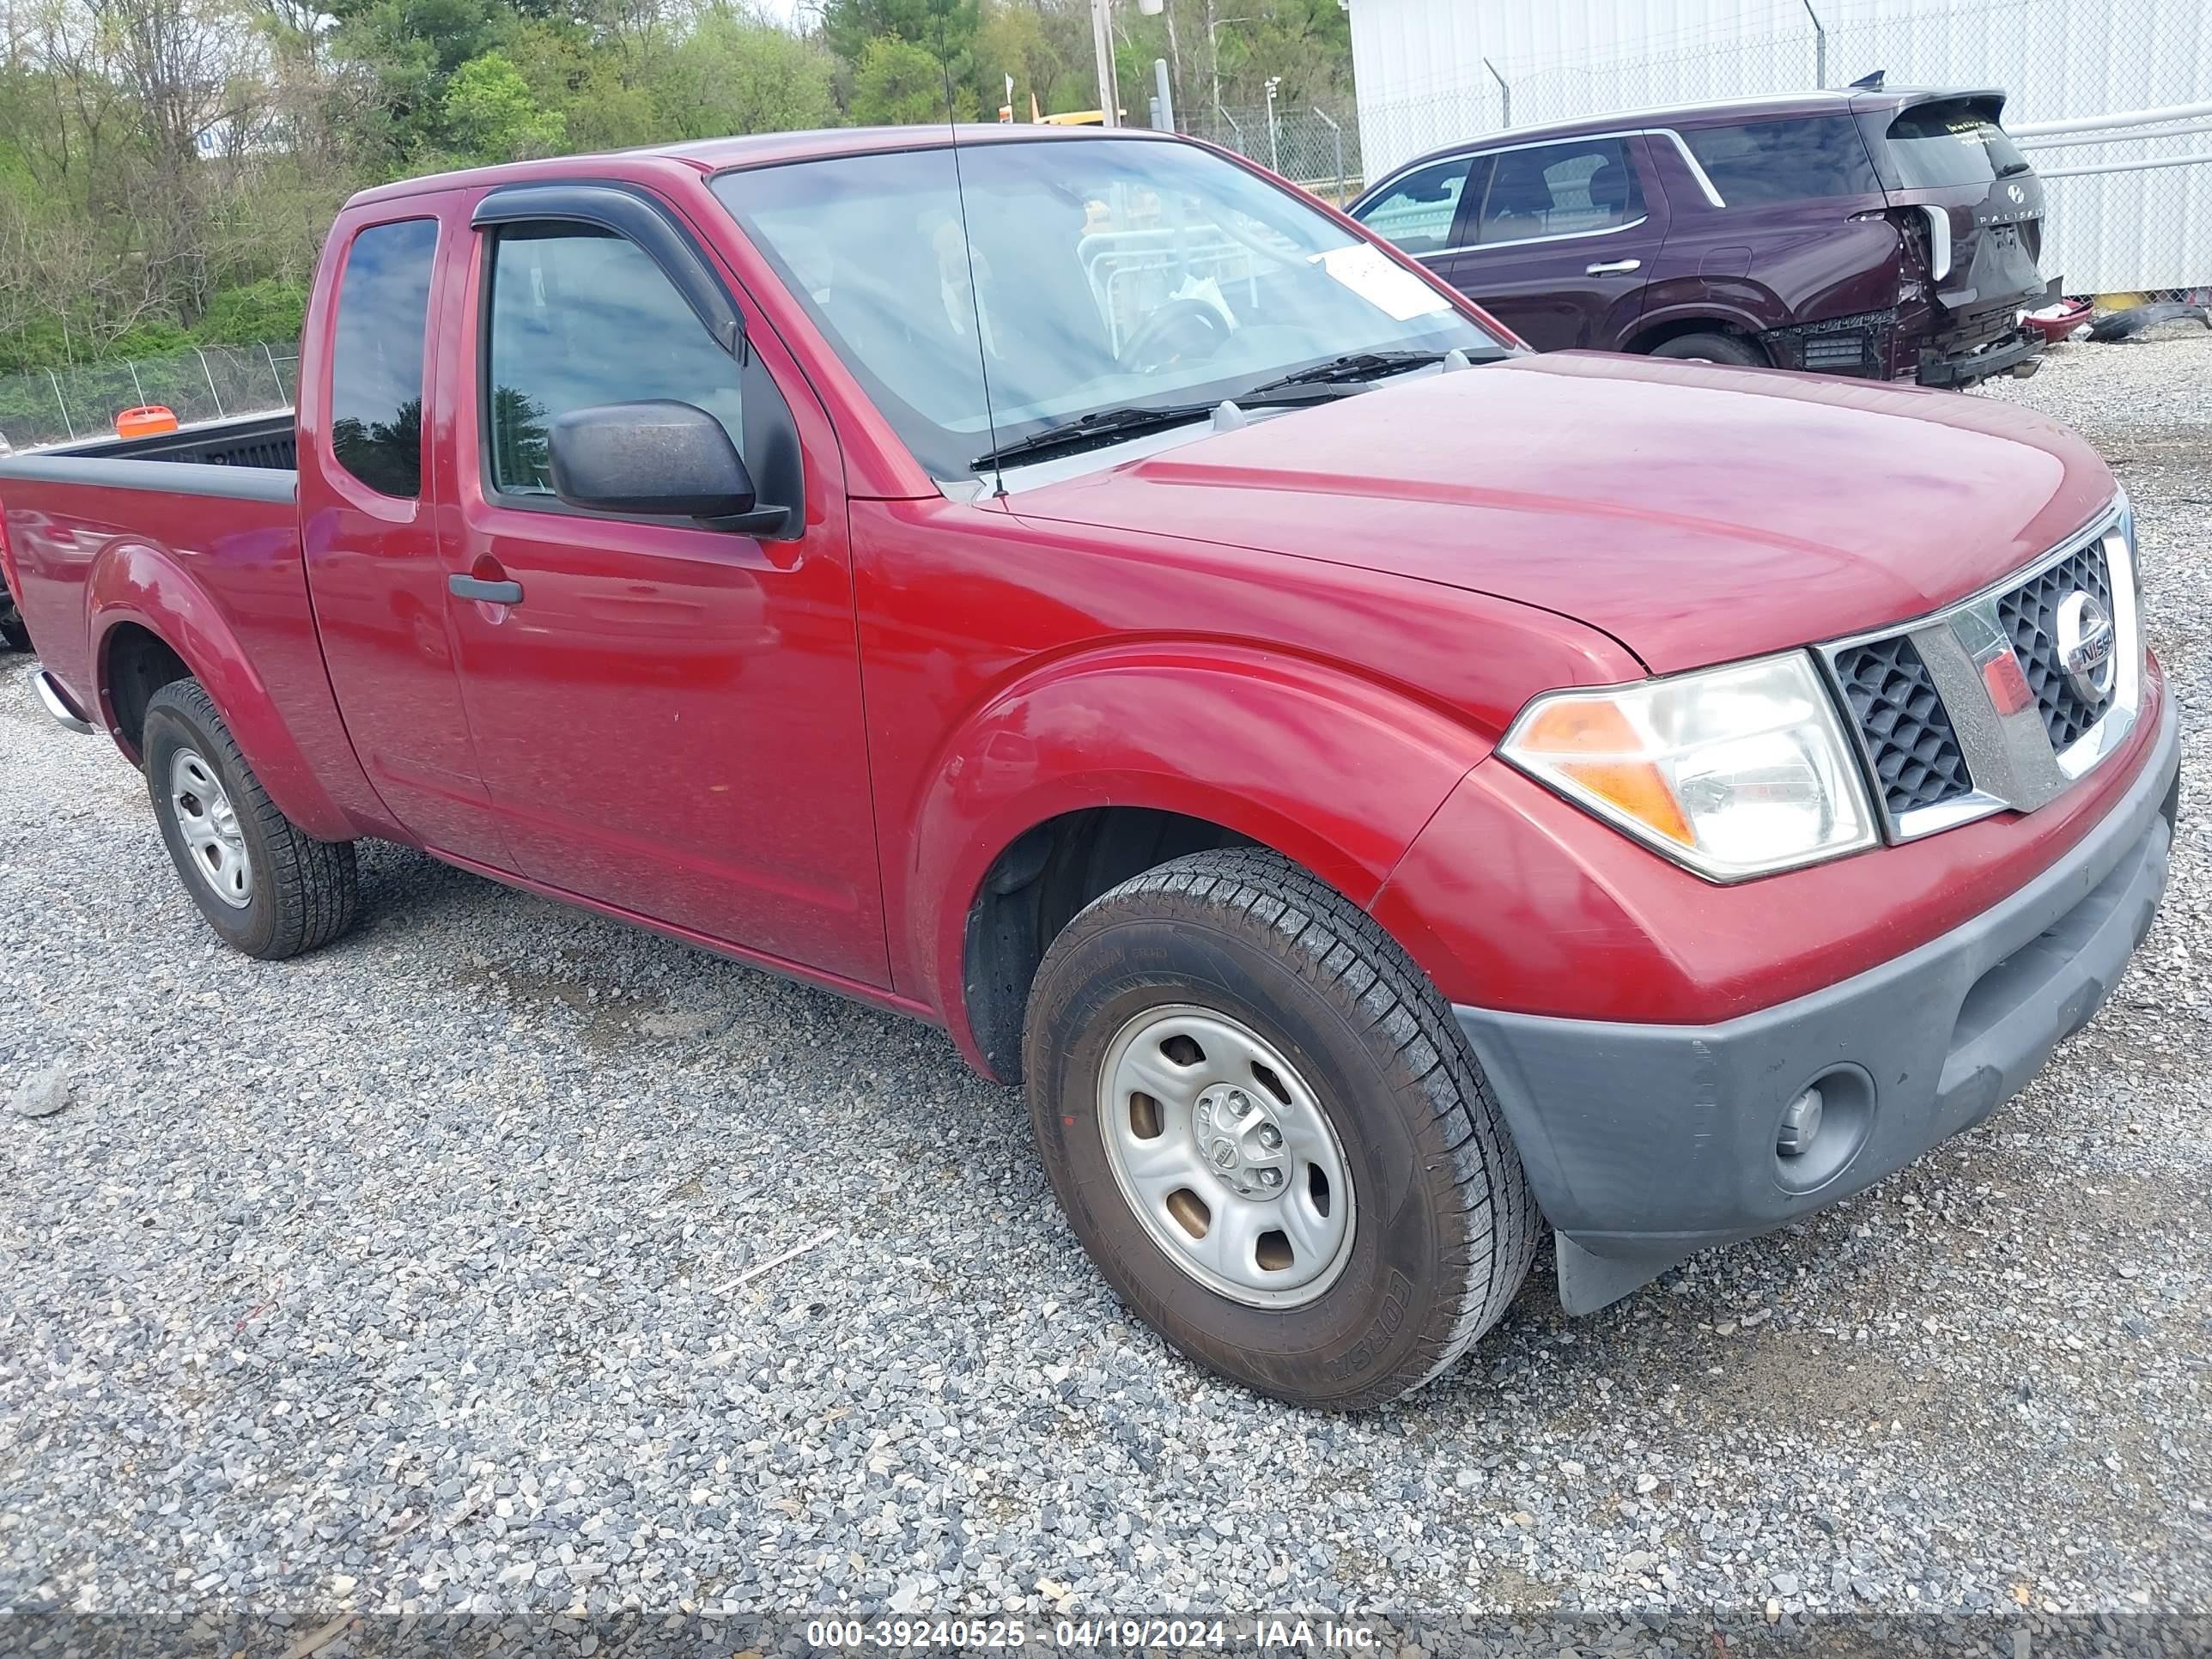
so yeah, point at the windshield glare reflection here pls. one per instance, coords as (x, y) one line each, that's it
(1094, 274)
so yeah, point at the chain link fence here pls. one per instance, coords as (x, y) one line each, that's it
(2131, 203)
(206, 383)
(2130, 206)
(1315, 147)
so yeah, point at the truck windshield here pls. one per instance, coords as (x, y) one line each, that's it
(1106, 274)
(1936, 145)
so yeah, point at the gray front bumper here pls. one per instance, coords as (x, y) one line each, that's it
(1645, 1142)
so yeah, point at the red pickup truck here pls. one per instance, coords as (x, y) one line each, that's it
(1379, 790)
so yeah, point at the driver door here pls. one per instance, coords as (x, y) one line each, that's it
(667, 716)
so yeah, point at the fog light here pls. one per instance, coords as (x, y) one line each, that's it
(1799, 1124)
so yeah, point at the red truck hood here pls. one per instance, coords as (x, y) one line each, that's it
(1696, 514)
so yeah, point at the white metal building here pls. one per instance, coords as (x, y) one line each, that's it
(2130, 205)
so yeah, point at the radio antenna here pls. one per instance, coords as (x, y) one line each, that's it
(968, 249)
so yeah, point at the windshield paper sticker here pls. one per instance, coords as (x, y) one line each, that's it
(1381, 280)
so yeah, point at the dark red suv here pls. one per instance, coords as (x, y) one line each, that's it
(1884, 233)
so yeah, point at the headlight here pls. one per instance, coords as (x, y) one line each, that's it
(1734, 771)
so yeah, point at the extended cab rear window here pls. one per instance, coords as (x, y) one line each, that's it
(376, 359)
(1933, 145)
(1758, 163)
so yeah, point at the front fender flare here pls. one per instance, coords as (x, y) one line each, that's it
(133, 582)
(1327, 767)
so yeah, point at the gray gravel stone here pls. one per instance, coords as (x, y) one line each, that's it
(388, 1279)
(43, 1092)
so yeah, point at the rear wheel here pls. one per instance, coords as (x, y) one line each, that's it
(1712, 349)
(265, 885)
(14, 635)
(1269, 1134)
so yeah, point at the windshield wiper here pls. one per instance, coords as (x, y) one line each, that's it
(2013, 169)
(1131, 420)
(1358, 366)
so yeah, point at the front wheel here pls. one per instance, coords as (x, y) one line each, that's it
(1269, 1134)
(265, 885)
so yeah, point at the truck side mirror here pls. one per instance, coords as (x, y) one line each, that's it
(658, 457)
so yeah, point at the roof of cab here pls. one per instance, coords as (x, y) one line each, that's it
(710, 155)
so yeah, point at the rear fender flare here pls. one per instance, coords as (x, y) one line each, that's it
(133, 582)
(1326, 767)
(1715, 313)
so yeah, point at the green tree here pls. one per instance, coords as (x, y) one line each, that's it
(944, 28)
(732, 74)
(411, 49)
(602, 99)
(490, 115)
(899, 84)
(1014, 39)
(168, 168)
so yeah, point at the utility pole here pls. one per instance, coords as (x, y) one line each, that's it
(1101, 39)
(1213, 47)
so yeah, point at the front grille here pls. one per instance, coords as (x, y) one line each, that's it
(1976, 754)
(2029, 616)
(1909, 739)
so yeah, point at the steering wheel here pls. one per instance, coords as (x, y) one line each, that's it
(1185, 329)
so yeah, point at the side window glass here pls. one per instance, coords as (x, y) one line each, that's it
(376, 356)
(582, 316)
(1417, 214)
(1562, 190)
(1762, 162)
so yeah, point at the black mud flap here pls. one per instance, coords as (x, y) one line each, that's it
(1588, 1282)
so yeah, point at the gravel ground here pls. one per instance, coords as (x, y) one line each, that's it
(434, 1272)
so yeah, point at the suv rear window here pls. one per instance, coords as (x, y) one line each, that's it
(1761, 163)
(1954, 143)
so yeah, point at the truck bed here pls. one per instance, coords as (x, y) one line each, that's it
(262, 441)
(122, 518)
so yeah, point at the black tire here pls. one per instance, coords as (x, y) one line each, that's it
(304, 891)
(14, 633)
(1713, 349)
(1444, 1225)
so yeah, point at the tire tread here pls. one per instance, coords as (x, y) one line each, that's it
(313, 884)
(1339, 949)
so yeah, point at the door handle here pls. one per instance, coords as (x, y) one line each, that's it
(1613, 267)
(468, 588)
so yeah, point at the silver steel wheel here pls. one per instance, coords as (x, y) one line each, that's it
(1226, 1155)
(209, 824)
